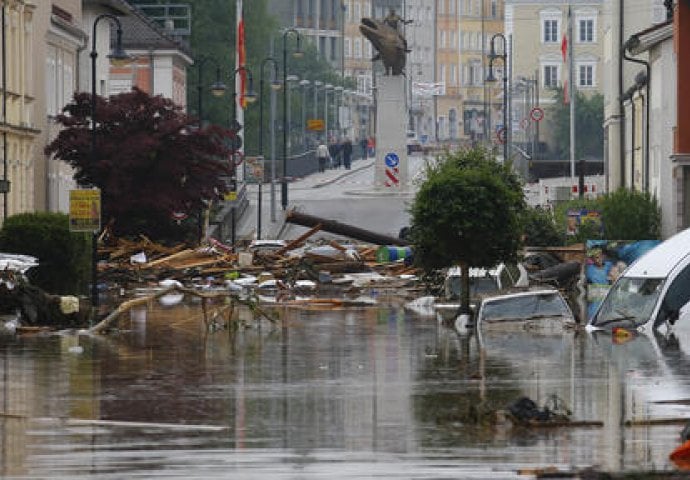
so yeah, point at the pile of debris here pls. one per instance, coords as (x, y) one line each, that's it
(302, 263)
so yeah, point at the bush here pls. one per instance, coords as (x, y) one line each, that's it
(64, 256)
(540, 228)
(625, 215)
(631, 215)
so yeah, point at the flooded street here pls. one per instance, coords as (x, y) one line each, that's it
(352, 393)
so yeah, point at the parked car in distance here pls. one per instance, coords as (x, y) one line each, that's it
(542, 310)
(652, 294)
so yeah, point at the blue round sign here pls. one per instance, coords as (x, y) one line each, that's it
(392, 160)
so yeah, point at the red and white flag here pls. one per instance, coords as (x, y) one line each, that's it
(565, 52)
(241, 57)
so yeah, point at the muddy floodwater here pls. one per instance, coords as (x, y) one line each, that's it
(375, 392)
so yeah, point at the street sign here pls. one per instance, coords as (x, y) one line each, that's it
(392, 159)
(537, 114)
(84, 210)
(501, 135)
(315, 124)
(254, 169)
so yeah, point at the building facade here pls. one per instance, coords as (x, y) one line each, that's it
(20, 89)
(535, 30)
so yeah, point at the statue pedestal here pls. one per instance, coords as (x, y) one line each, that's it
(391, 134)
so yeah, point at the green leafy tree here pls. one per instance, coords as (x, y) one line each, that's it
(589, 120)
(467, 212)
(150, 163)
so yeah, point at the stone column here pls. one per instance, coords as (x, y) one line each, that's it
(390, 173)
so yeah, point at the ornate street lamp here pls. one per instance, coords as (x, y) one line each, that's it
(218, 88)
(297, 54)
(118, 57)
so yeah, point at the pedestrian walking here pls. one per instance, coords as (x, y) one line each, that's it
(363, 146)
(347, 153)
(333, 152)
(322, 156)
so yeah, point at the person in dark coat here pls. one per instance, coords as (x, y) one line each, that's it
(333, 150)
(363, 146)
(347, 153)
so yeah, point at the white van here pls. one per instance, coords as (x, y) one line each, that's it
(653, 293)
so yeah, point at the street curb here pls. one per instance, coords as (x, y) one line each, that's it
(343, 175)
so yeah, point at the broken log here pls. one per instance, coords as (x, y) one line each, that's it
(346, 230)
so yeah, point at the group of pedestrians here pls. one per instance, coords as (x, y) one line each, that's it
(335, 155)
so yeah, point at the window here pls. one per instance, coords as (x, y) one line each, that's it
(453, 74)
(358, 48)
(551, 75)
(586, 30)
(346, 48)
(442, 73)
(585, 75)
(494, 8)
(550, 31)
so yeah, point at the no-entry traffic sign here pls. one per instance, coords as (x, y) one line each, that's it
(536, 114)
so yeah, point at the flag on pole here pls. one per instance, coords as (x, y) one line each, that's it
(565, 50)
(241, 57)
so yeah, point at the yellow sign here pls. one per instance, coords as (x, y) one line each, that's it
(316, 124)
(230, 196)
(84, 210)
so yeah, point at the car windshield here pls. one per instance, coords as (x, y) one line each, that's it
(630, 302)
(525, 307)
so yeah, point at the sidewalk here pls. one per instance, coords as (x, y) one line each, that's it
(271, 228)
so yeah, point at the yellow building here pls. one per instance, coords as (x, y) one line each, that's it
(19, 88)
(536, 31)
(464, 31)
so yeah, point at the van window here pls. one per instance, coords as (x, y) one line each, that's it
(677, 295)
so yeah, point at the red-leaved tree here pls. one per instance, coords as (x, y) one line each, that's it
(151, 160)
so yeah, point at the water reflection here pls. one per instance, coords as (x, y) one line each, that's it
(352, 393)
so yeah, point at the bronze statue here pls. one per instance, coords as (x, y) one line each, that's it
(389, 42)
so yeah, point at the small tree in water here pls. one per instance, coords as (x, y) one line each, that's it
(467, 213)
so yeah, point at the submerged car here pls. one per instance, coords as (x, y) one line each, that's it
(652, 293)
(541, 309)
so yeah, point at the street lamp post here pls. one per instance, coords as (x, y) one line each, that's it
(297, 53)
(304, 84)
(326, 88)
(250, 96)
(275, 85)
(217, 90)
(491, 78)
(117, 55)
(292, 80)
(317, 85)
(339, 96)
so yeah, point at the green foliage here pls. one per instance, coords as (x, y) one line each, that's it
(540, 229)
(149, 164)
(467, 211)
(589, 120)
(584, 232)
(64, 256)
(631, 215)
(625, 214)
